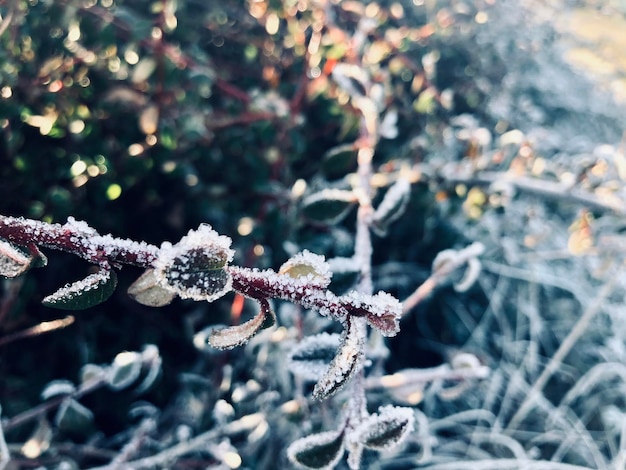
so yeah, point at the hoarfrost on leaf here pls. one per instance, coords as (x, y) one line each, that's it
(73, 417)
(346, 362)
(124, 370)
(94, 289)
(311, 358)
(385, 429)
(230, 337)
(152, 363)
(382, 311)
(56, 388)
(318, 451)
(195, 267)
(392, 206)
(13, 261)
(328, 206)
(309, 266)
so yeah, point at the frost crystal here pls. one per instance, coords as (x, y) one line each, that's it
(195, 267)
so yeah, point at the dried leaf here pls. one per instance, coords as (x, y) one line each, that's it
(94, 289)
(317, 451)
(345, 363)
(13, 261)
(147, 291)
(228, 338)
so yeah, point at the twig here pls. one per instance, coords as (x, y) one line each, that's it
(164, 459)
(43, 327)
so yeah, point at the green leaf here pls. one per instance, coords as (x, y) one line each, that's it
(312, 356)
(125, 369)
(392, 206)
(73, 417)
(339, 161)
(317, 451)
(195, 267)
(329, 206)
(385, 429)
(94, 289)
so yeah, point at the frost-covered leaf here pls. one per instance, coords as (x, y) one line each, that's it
(73, 416)
(56, 388)
(346, 362)
(92, 372)
(329, 206)
(152, 363)
(389, 125)
(312, 356)
(230, 337)
(94, 289)
(125, 370)
(147, 291)
(317, 451)
(385, 429)
(392, 206)
(309, 266)
(339, 161)
(382, 311)
(194, 268)
(13, 261)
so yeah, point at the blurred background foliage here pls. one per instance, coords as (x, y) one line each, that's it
(147, 118)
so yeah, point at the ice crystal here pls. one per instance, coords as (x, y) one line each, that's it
(195, 267)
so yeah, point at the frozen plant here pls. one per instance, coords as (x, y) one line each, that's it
(198, 267)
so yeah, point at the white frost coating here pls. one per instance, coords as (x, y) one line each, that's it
(383, 310)
(330, 194)
(323, 440)
(175, 262)
(346, 362)
(78, 288)
(56, 388)
(310, 265)
(385, 429)
(12, 261)
(307, 359)
(342, 264)
(394, 202)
